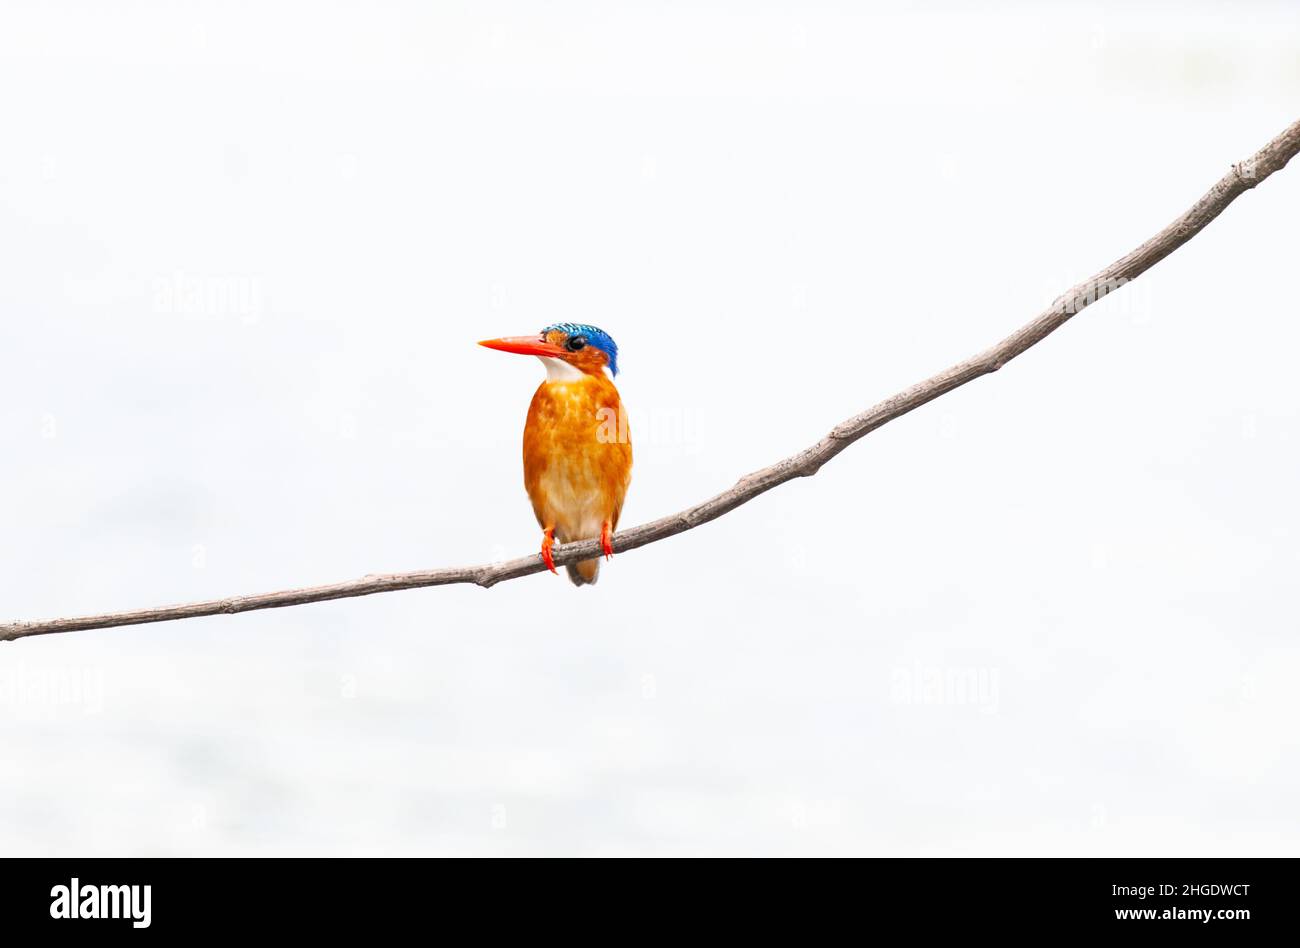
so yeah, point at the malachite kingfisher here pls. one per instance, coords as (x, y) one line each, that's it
(577, 454)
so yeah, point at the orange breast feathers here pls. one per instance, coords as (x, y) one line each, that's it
(577, 456)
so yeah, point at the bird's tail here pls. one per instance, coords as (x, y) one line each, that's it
(584, 573)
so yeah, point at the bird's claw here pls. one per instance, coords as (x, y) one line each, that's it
(607, 541)
(548, 541)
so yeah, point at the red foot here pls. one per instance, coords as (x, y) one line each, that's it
(548, 541)
(607, 541)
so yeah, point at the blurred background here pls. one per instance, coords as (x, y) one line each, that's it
(247, 250)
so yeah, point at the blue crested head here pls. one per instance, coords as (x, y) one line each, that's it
(581, 335)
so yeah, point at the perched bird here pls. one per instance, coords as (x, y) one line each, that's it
(577, 456)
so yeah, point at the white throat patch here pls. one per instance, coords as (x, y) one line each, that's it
(557, 370)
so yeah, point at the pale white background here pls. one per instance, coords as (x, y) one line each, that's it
(245, 253)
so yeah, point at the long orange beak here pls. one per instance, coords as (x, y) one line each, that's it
(524, 345)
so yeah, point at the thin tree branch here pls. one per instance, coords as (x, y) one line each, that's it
(1243, 176)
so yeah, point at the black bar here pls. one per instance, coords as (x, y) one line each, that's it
(1146, 898)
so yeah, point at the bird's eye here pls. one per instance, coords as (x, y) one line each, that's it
(576, 343)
